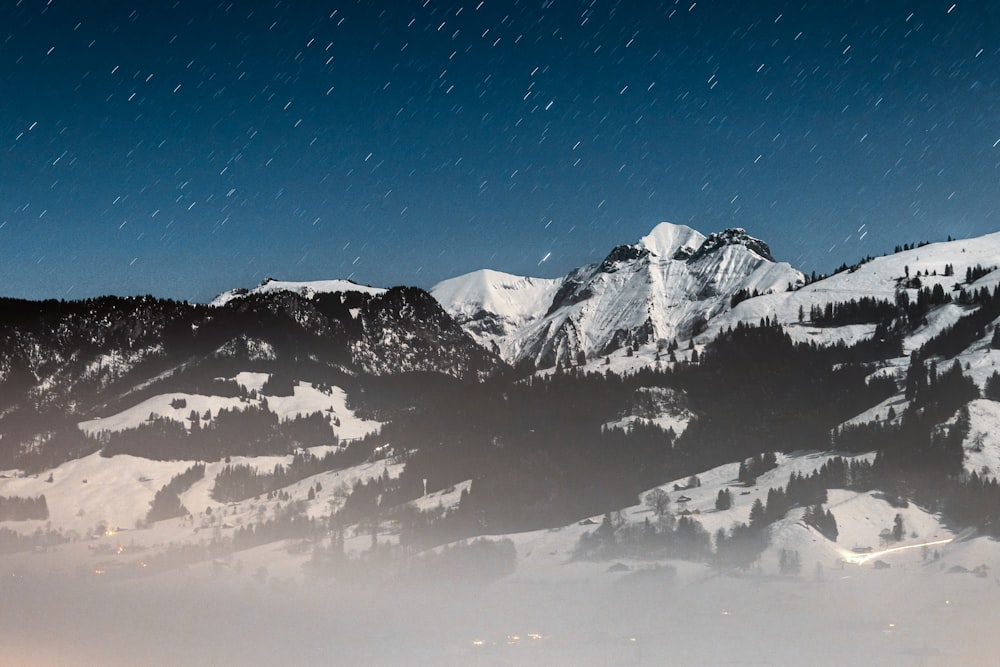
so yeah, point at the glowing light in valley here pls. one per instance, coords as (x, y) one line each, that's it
(861, 559)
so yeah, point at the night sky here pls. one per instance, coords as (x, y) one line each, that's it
(185, 148)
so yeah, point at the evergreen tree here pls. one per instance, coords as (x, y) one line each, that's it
(724, 500)
(822, 521)
(992, 388)
(758, 516)
(830, 526)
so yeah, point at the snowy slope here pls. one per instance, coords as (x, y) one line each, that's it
(504, 294)
(117, 492)
(655, 290)
(881, 278)
(306, 289)
(861, 519)
(982, 445)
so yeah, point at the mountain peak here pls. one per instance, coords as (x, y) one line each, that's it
(673, 241)
(730, 237)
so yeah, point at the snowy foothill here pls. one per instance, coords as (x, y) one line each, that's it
(307, 289)
(862, 518)
(555, 608)
(174, 406)
(882, 278)
(90, 491)
(116, 492)
(306, 399)
(445, 499)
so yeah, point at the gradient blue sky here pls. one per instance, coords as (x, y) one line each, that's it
(185, 148)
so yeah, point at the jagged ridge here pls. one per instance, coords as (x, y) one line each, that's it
(667, 285)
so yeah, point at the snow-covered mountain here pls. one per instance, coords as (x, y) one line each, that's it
(667, 285)
(494, 306)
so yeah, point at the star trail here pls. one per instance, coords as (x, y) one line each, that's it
(185, 148)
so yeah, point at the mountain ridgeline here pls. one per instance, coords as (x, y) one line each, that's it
(535, 402)
(667, 285)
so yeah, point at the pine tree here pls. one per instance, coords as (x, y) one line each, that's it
(776, 506)
(724, 500)
(992, 388)
(758, 516)
(830, 525)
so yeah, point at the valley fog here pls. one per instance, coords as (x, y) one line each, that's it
(582, 614)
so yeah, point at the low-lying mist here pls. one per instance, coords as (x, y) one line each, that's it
(582, 615)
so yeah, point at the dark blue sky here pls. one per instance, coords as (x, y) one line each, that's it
(184, 148)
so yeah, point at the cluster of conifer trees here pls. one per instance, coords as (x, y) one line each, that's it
(166, 504)
(251, 431)
(20, 508)
(239, 481)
